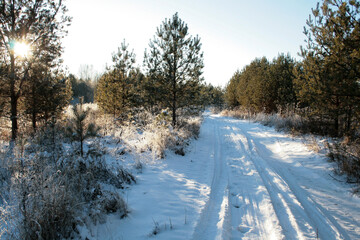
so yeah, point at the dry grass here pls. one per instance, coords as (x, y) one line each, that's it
(290, 123)
(156, 135)
(347, 156)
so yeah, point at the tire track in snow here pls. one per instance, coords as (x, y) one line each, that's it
(214, 217)
(286, 219)
(305, 214)
(255, 192)
(253, 216)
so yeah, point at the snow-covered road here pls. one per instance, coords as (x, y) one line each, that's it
(239, 180)
(266, 185)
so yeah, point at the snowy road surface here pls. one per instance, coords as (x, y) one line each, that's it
(239, 180)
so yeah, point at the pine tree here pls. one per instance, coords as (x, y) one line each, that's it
(263, 85)
(328, 79)
(231, 92)
(211, 96)
(116, 89)
(174, 62)
(282, 82)
(46, 94)
(79, 129)
(37, 23)
(254, 89)
(107, 95)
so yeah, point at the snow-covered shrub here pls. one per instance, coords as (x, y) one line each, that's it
(215, 109)
(189, 111)
(188, 128)
(157, 135)
(112, 202)
(158, 138)
(143, 118)
(239, 113)
(104, 202)
(347, 156)
(280, 122)
(100, 173)
(312, 143)
(55, 190)
(9, 220)
(163, 119)
(97, 202)
(5, 174)
(47, 205)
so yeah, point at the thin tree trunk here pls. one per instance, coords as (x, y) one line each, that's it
(33, 117)
(336, 117)
(81, 147)
(13, 96)
(174, 88)
(174, 104)
(13, 100)
(46, 116)
(336, 125)
(349, 116)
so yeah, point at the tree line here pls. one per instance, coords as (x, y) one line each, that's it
(263, 86)
(324, 87)
(35, 88)
(172, 76)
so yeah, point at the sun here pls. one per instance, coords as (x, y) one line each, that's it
(22, 49)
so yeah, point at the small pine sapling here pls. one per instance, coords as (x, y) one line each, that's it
(79, 129)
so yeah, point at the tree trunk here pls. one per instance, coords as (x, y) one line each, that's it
(13, 100)
(174, 104)
(46, 116)
(173, 115)
(174, 88)
(348, 123)
(336, 125)
(81, 147)
(336, 117)
(33, 119)
(13, 95)
(33, 116)
(13, 117)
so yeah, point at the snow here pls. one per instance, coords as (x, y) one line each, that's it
(239, 180)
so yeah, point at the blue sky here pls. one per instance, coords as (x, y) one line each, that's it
(232, 32)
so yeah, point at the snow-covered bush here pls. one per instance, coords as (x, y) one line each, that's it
(347, 156)
(47, 201)
(158, 135)
(54, 190)
(240, 113)
(158, 139)
(147, 132)
(280, 122)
